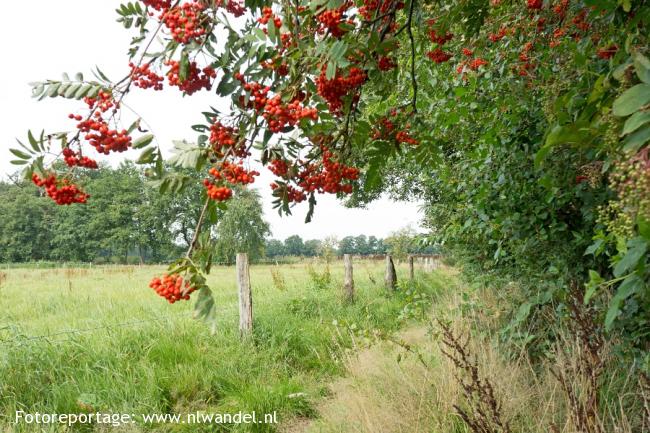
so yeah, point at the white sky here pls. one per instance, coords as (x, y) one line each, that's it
(42, 39)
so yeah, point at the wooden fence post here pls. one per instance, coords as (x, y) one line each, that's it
(391, 277)
(348, 284)
(245, 296)
(411, 269)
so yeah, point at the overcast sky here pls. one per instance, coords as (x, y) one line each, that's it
(42, 39)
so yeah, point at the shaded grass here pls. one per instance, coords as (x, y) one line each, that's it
(137, 354)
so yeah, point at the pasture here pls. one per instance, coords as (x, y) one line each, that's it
(75, 340)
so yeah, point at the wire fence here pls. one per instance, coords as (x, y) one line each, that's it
(72, 332)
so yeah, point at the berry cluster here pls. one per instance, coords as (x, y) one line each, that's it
(329, 177)
(235, 7)
(438, 55)
(222, 136)
(268, 15)
(96, 129)
(279, 167)
(75, 159)
(386, 63)
(278, 114)
(607, 52)
(158, 4)
(334, 90)
(234, 173)
(172, 287)
(217, 193)
(145, 78)
(535, 4)
(386, 130)
(496, 37)
(186, 22)
(373, 8)
(330, 21)
(258, 93)
(63, 194)
(196, 79)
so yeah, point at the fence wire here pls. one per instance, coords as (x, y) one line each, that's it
(24, 339)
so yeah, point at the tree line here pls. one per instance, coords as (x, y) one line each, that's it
(128, 221)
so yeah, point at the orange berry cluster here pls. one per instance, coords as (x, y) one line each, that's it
(196, 79)
(268, 15)
(97, 131)
(329, 177)
(234, 173)
(74, 159)
(386, 63)
(158, 4)
(145, 78)
(387, 130)
(222, 136)
(278, 115)
(335, 89)
(370, 7)
(216, 192)
(172, 287)
(279, 167)
(438, 55)
(186, 22)
(62, 195)
(258, 93)
(330, 21)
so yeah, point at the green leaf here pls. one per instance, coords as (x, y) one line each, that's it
(628, 287)
(205, 308)
(644, 227)
(19, 162)
(83, 91)
(33, 142)
(330, 72)
(642, 67)
(635, 121)
(184, 67)
(71, 91)
(595, 280)
(634, 141)
(631, 100)
(637, 247)
(143, 141)
(593, 248)
(147, 156)
(541, 155)
(20, 154)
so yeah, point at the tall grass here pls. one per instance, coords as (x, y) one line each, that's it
(101, 340)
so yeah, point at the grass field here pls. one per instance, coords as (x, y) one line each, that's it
(75, 340)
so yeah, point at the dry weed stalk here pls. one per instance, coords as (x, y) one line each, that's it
(278, 279)
(644, 386)
(486, 415)
(579, 373)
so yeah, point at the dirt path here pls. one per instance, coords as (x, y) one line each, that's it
(379, 394)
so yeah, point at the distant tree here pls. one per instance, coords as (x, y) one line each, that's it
(361, 245)
(328, 248)
(401, 242)
(241, 228)
(311, 248)
(373, 245)
(294, 245)
(274, 248)
(25, 223)
(347, 245)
